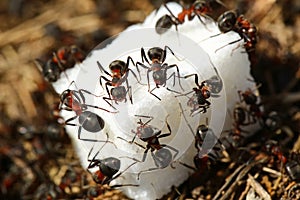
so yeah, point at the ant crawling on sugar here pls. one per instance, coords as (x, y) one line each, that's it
(209, 147)
(151, 135)
(74, 100)
(109, 168)
(199, 8)
(198, 101)
(119, 74)
(62, 59)
(232, 21)
(158, 67)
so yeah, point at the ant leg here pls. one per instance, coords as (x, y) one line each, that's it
(129, 91)
(177, 69)
(105, 79)
(165, 52)
(127, 67)
(154, 94)
(106, 100)
(145, 116)
(196, 79)
(230, 43)
(87, 92)
(123, 185)
(102, 69)
(143, 54)
(97, 107)
(122, 172)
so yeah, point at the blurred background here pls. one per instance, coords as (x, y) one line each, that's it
(37, 160)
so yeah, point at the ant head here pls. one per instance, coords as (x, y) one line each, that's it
(65, 94)
(156, 53)
(163, 24)
(146, 132)
(202, 129)
(199, 5)
(118, 66)
(227, 21)
(249, 97)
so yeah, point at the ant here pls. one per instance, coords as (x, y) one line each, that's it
(61, 60)
(251, 100)
(199, 8)
(157, 56)
(151, 135)
(232, 21)
(200, 95)
(119, 75)
(73, 100)
(108, 168)
(273, 148)
(207, 144)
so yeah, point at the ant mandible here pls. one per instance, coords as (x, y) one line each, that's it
(199, 99)
(119, 74)
(199, 8)
(61, 60)
(157, 56)
(108, 168)
(73, 100)
(151, 135)
(232, 21)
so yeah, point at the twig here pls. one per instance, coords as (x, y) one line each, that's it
(258, 188)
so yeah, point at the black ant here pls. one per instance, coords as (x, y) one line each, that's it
(199, 8)
(232, 21)
(151, 135)
(61, 60)
(251, 100)
(108, 168)
(119, 74)
(73, 100)
(157, 56)
(200, 95)
(208, 146)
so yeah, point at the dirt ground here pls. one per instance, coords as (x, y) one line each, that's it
(37, 160)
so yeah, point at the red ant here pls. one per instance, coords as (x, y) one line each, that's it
(199, 8)
(151, 135)
(251, 100)
(108, 168)
(120, 71)
(199, 99)
(272, 147)
(73, 100)
(61, 60)
(231, 21)
(157, 56)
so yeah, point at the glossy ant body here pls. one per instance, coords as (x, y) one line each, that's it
(151, 135)
(108, 168)
(158, 68)
(200, 95)
(251, 100)
(199, 8)
(272, 147)
(119, 74)
(62, 59)
(232, 21)
(292, 166)
(73, 100)
(208, 146)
